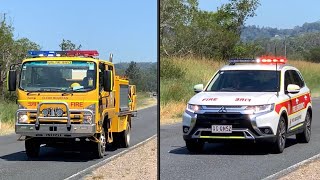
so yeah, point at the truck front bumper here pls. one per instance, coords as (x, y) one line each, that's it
(66, 130)
(56, 130)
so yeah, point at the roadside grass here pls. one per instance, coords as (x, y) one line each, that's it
(144, 100)
(7, 116)
(176, 92)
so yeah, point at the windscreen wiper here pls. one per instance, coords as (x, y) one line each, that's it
(33, 92)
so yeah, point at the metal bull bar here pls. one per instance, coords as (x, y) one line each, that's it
(37, 124)
(68, 111)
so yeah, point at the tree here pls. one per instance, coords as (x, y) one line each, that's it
(68, 45)
(186, 30)
(133, 73)
(11, 51)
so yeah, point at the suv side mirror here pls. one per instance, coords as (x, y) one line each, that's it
(198, 88)
(11, 80)
(293, 88)
(107, 81)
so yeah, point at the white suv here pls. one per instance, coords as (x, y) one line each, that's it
(250, 99)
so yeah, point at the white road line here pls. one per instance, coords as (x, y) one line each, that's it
(180, 148)
(292, 168)
(87, 170)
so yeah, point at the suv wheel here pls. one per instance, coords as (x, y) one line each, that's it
(304, 137)
(194, 146)
(280, 142)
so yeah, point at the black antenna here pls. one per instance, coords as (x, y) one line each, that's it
(277, 76)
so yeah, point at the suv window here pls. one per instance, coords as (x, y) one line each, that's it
(287, 79)
(297, 78)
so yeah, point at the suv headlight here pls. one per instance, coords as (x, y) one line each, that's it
(88, 118)
(193, 107)
(266, 108)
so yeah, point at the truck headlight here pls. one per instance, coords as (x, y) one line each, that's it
(59, 112)
(45, 112)
(266, 108)
(193, 107)
(23, 118)
(88, 117)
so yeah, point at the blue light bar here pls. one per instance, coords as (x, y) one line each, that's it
(46, 53)
(242, 60)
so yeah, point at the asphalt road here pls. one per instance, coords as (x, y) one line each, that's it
(58, 164)
(231, 161)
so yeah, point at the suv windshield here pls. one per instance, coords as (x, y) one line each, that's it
(245, 81)
(58, 76)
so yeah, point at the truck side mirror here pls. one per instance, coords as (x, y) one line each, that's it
(11, 80)
(107, 81)
(198, 88)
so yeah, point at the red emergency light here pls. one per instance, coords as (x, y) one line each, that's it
(85, 53)
(271, 59)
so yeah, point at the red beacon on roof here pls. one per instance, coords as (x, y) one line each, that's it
(271, 59)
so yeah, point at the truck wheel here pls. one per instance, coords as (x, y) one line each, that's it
(280, 142)
(100, 147)
(304, 137)
(124, 138)
(32, 147)
(194, 146)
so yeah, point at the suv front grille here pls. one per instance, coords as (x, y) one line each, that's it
(236, 120)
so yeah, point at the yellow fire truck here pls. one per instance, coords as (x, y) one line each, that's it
(71, 98)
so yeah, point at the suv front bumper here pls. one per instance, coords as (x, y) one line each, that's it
(244, 126)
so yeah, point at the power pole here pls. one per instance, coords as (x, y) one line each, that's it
(285, 47)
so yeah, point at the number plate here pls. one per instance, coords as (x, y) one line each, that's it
(221, 128)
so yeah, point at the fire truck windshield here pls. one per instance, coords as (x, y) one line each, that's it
(58, 76)
(245, 81)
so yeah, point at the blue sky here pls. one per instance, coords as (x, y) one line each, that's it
(276, 13)
(128, 29)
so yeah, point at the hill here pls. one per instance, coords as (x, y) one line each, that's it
(250, 33)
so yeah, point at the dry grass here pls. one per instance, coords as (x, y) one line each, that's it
(171, 112)
(140, 163)
(310, 72)
(144, 100)
(175, 93)
(6, 128)
(308, 171)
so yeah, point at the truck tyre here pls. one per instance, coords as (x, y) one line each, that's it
(304, 137)
(125, 136)
(194, 146)
(32, 147)
(280, 142)
(100, 147)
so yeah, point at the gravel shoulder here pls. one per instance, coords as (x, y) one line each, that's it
(140, 163)
(307, 171)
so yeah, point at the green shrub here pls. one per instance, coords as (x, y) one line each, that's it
(169, 70)
(8, 112)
